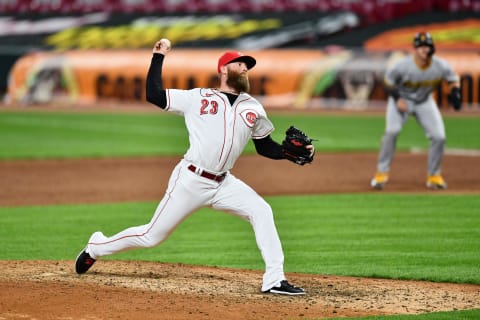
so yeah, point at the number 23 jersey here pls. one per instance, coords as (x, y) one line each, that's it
(218, 131)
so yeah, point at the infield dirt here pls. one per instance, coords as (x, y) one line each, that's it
(147, 290)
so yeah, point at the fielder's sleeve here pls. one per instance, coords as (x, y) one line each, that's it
(391, 76)
(448, 73)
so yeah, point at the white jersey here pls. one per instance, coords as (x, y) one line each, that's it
(218, 131)
(416, 84)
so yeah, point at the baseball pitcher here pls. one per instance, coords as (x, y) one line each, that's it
(220, 122)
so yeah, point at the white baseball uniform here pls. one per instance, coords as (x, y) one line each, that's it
(218, 133)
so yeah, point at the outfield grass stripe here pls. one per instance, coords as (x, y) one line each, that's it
(73, 135)
(423, 237)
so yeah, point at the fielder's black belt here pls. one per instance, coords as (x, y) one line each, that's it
(208, 175)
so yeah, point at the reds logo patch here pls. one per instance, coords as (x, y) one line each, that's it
(249, 117)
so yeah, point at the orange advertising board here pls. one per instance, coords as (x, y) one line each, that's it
(89, 76)
(282, 78)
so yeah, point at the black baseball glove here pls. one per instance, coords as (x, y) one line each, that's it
(294, 146)
(455, 98)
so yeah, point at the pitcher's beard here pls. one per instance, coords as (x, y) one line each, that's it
(237, 81)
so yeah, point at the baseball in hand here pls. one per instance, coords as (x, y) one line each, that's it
(166, 43)
(162, 46)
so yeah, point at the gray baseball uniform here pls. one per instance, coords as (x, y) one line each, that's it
(415, 85)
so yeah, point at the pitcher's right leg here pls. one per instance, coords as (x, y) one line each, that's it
(184, 195)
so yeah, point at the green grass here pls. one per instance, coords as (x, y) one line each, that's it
(76, 135)
(363, 133)
(425, 237)
(455, 315)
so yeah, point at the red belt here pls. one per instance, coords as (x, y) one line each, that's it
(208, 175)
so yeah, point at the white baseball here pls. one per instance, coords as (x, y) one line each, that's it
(166, 42)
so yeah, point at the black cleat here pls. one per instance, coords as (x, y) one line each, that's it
(286, 288)
(83, 262)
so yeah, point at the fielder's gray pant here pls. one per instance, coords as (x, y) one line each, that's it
(429, 118)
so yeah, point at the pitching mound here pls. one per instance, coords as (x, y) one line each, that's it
(146, 290)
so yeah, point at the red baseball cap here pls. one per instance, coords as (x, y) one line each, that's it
(233, 56)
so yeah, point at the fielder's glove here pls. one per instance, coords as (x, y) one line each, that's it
(455, 98)
(294, 147)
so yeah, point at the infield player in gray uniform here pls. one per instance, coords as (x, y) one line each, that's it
(410, 83)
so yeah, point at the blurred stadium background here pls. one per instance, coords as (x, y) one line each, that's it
(312, 54)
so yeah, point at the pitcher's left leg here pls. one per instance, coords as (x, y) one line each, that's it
(235, 197)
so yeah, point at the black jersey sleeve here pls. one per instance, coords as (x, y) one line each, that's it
(268, 148)
(154, 86)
